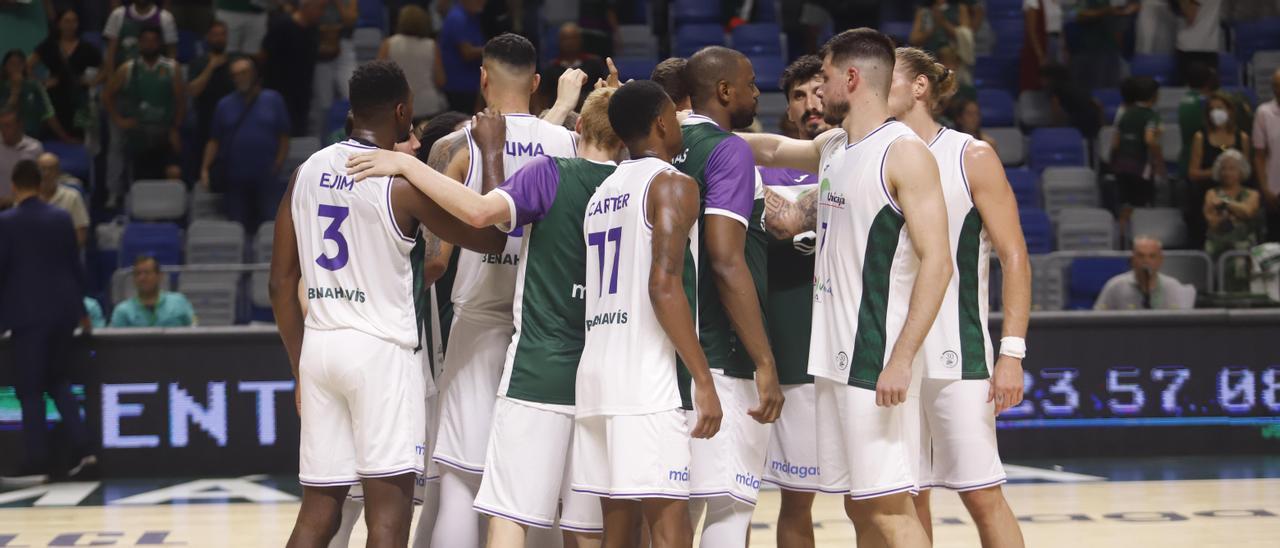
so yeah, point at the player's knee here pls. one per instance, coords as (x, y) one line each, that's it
(796, 505)
(983, 502)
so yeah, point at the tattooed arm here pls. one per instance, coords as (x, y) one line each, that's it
(784, 218)
(450, 156)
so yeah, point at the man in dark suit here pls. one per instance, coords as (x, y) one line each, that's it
(41, 289)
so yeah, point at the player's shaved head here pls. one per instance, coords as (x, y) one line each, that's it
(707, 68)
(512, 53)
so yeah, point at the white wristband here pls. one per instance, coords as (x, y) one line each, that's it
(1014, 347)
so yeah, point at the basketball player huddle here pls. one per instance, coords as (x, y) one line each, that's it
(635, 298)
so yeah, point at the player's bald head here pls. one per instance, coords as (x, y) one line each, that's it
(710, 66)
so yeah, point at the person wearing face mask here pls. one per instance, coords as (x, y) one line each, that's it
(1221, 133)
(250, 125)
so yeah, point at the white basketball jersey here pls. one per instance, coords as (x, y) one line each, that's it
(865, 264)
(628, 364)
(355, 261)
(959, 344)
(484, 287)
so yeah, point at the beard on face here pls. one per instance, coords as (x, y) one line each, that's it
(813, 123)
(833, 113)
(742, 118)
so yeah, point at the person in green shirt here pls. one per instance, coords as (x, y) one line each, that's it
(1136, 156)
(26, 96)
(152, 307)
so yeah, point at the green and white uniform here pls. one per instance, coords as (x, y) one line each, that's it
(528, 454)
(732, 462)
(630, 439)
(958, 428)
(362, 384)
(863, 276)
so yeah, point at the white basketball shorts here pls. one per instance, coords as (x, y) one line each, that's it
(865, 451)
(792, 461)
(958, 435)
(468, 390)
(731, 462)
(632, 456)
(363, 409)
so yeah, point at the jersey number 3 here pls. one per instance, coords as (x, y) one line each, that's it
(338, 214)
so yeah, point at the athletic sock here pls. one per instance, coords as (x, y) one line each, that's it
(728, 520)
(459, 524)
(427, 515)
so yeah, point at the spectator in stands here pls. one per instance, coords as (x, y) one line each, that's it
(1043, 43)
(1221, 133)
(1266, 157)
(51, 170)
(210, 80)
(461, 45)
(152, 307)
(1073, 104)
(64, 197)
(289, 53)
(1144, 287)
(1199, 34)
(1137, 158)
(1233, 215)
(944, 28)
(599, 22)
(15, 146)
(246, 23)
(124, 26)
(1096, 62)
(670, 75)
(41, 284)
(146, 99)
(248, 143)
(19, 92)
(72, 65)
(1156, 29)
(571, 54)
(967, 117)
(414, 49)
(1201, 81)
(335, 59)
(94, 311)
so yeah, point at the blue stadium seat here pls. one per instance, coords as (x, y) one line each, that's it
(337, 115)
(1056, 146)
(1110, 99)
(1088, 275)
(1036, 229)
(1256, 35)
(1242, 91)
(189, 46)
(1161, 67)
(996, 73)
(691, 38)
(696, 11)
(1026, 187)
(758, 39)
(1004, 9)
(634, 68)
(372, 15)
(74, 158)
(160, 240)
(768, 70)
(1009, 36)
(900, 31)
(94, 38)
(1228, 69)
(997, 107)
(766, 11)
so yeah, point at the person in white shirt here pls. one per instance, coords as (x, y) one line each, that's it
(15, 146)
(1199, 34)
(1266, 157)
(1144, 287)
(63, 195)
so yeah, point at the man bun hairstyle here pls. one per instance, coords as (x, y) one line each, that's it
(942, 80)
(634, 108)
(375, 86)
(800, 71)
(511, 50)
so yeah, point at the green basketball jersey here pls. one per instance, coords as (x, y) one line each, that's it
(707, 150)
(549, 197)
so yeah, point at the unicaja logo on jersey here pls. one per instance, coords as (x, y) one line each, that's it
(822, 288)
(833, 199)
